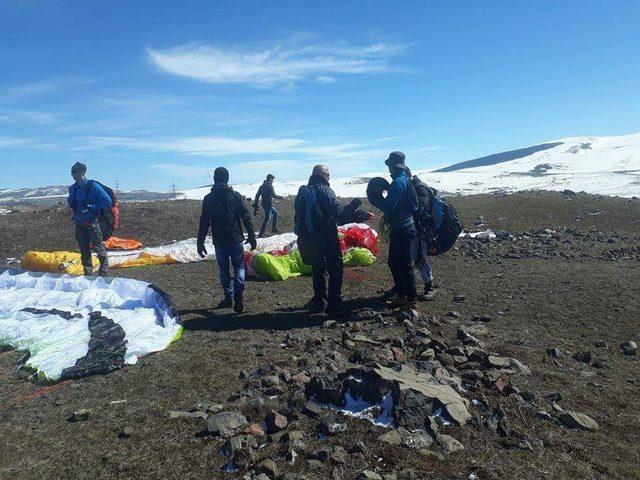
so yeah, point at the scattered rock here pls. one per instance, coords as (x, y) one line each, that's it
(459, 298)
(629, 348)
(583, 357)
(554, 352)
(267, 467)
(80, 415)
(578, 421)
(178, 414)
(240, 442)
(330, 425)
(330, 324)
(431, 454)
(498, 362)
(392, 437)
(481, 318)
(449, 444)
(275, 422)
(255, 430)
(209, 407)
(313, 410)
(126, 432)
(368, 475)
(226, 424)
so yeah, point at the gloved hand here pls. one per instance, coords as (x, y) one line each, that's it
(202, 251)
(253, 242)
(355, 203)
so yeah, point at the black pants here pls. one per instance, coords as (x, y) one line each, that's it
(91, 238)
(331, 264)
(401, 247)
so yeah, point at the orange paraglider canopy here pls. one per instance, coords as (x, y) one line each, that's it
(115, 243)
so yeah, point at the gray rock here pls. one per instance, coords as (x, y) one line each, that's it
(554, 352)
(578, 421)
(392, 437)
(313, 410)
(237, 443)
(226, 424)
(331, 425)
(629, 348)
(431, 454)
(267, 467)
(178, 414)
(209, 407)
(79, 415)
(498, 362)
(276, 422)
(417, 440)
(368, 475)
(449, 444)
(315, 464)
(126, 432)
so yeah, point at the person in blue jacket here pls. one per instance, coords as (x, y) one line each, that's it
(87, 199)
(399, 206)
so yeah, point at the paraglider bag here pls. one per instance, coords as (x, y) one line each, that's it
(450, 228)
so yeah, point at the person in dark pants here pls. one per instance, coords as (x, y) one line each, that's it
(87, 199)
(268, 194)
(399, 206)
(424, 228)
(224, 213)
(317, 220)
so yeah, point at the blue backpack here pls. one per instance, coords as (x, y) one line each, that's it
(308, 215)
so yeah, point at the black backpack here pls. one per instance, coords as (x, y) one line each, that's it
(108, 218)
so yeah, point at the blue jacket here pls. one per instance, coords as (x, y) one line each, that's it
(400, 204)
(85, 205)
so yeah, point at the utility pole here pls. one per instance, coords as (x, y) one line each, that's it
(173, 191)
(116, 189)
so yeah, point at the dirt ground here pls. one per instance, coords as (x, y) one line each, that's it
(575, 287)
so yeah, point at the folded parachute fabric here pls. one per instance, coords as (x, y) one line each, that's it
(358, 257)
(79, 326)
(116, 243)
(280, 267)
(55, 262)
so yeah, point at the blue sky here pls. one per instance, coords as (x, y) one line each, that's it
(151, 92)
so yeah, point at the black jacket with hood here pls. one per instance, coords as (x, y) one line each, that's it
(224, 212)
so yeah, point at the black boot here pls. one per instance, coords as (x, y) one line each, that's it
(226, 302)
(238, 303)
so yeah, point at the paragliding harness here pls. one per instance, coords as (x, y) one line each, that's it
(308, 218)
(108, 218)
(437, 221)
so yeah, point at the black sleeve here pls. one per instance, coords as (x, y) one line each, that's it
(331, 206)
(205, 222)
(245, 216)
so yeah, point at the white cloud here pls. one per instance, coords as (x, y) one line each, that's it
(16, 142)
(277, 65)
(44, 87)
(224, 146)
(27, 116)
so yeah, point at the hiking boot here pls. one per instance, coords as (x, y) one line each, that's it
(397, 302)
(389, 294)
(238, 304)
(316, 306)
(429, 294)
(336, 310)
(226, 302)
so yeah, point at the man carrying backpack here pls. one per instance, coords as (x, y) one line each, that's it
(87, 199)
(399, 206)
(317, 215)
(268, 194)
(424, 228)
(224, 212)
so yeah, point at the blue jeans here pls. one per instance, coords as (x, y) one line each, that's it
(233, 253)
(269, 211)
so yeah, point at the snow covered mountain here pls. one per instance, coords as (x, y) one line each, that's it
(51, 195)
(598, 165)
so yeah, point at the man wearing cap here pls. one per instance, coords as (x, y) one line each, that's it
(399, 206)
(268, 194)
(317, 230)
(87, 199)
(224, 212)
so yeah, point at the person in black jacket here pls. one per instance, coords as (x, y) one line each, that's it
(320, 248)
(224, 212)
(268, 194)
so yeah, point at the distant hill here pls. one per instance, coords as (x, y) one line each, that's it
(499, 157)
(50, 195)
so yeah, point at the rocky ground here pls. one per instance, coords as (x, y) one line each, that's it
(523, 367)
